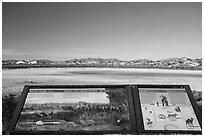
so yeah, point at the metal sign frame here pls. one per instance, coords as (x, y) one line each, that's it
(135, 111)
(11, 128)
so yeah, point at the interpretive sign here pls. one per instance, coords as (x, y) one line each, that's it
(167, 110)
(106, 109)
(75, 109)
(82, 110)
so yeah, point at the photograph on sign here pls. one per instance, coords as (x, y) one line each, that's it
(167, 109)
(84, 109)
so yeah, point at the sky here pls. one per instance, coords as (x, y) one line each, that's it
(62, 31)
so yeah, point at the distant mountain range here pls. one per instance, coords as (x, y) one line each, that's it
(171, 63)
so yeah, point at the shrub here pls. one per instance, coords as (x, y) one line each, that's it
(9, 104)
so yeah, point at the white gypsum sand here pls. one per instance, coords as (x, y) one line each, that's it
(14, 80)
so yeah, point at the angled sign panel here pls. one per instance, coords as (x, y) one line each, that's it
(79, 110)
(165, 109)
(106, 109)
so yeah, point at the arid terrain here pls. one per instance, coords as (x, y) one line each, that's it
(13, 81)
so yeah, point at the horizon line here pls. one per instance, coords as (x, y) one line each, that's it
(106, 58)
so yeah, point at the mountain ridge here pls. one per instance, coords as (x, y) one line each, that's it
(169, 63)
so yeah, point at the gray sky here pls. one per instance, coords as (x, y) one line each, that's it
(61, 31)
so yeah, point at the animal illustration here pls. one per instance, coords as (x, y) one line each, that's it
(177, 109)
(189, 122)
(149, 122)
(164, 100)
(162, 116)
(172, 115)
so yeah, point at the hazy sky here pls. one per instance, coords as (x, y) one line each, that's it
(61, 31)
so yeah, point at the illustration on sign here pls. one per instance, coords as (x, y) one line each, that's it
(167, 109)
(75, 109)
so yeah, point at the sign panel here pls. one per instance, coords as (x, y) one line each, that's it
(93, 109)
(106, 109)
(167, 109)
